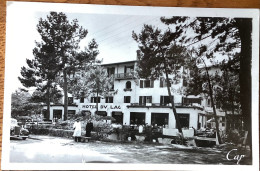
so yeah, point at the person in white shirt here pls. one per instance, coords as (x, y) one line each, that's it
(77, 130)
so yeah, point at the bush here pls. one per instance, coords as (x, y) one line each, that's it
(233, 136)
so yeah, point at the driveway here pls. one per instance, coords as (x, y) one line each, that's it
(46, 149)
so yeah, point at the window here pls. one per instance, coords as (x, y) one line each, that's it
(57, 114)
(109, 99)
(95, 99)
(129, 69)
(70, 100)
(145, 99)
(146, 83)
(127, 99)
(82, 100)
(184, 120)
(148, 99)
(187, 101)
(110, 71)
(128, 85)
(165, 100)
(163, 82)
(137, 118)
(118, 117)
(71, 113)
(160, 119)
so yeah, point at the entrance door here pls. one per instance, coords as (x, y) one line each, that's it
(57, 113)
(118, 116)
(184, 120)
(137, 118)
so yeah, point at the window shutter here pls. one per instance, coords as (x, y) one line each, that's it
(151, 99)
(141, 83)
(161, 100)
(144, 97)
(140, 99)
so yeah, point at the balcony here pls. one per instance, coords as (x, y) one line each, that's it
(152, 104)
(162, 105)
(124, 76)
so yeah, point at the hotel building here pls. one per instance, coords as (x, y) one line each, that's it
(142, 101)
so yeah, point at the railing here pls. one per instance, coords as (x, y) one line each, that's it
(157, 104)
(154, 104)
(129, 75)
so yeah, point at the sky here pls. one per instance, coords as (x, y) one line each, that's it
(113, 33)
(110, 26)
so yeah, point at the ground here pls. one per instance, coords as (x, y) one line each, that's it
(47, 149)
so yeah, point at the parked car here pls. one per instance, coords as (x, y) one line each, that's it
(18, 132)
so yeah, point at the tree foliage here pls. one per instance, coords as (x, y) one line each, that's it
(21, 104)
(222, 35)
(91, 79)
(41, 72)
(64, 36)
(156, 53)
(158, 56)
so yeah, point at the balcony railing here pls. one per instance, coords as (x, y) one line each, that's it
(129, 75)
(154, 104)
(159, 105)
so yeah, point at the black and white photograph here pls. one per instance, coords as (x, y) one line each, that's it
(125, 87)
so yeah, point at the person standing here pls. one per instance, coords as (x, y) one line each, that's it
(89, 128)
(77, 130)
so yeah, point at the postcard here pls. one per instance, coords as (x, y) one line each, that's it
(105, 87)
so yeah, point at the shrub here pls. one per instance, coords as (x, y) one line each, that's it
(234, 136)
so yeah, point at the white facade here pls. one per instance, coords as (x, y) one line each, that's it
(148, 102)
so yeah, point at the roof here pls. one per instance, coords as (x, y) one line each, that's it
(118, 63)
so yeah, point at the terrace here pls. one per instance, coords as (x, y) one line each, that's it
(124, 76)
(163, 105)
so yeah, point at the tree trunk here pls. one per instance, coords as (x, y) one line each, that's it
(245, 31)
(48, 103)
(97, 102)
(178, 124)
(213, 104)
(226, 131)
(65, 91)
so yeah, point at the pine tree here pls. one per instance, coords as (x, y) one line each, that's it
(226, 35)
(64, 37)
(41, 71)
(158, 57)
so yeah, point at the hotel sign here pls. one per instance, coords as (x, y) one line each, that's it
(101, 106)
